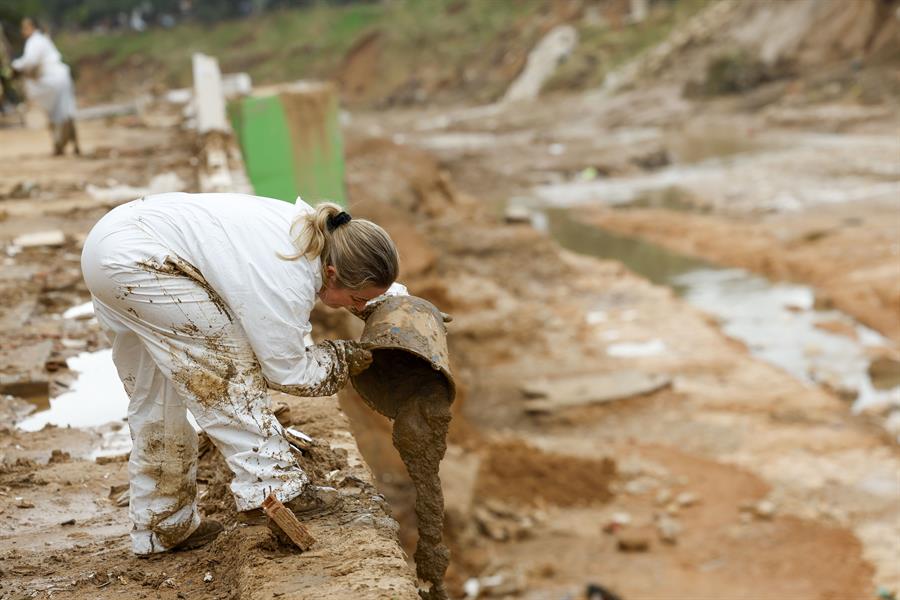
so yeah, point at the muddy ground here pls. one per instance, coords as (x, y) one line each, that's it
(63, 517)
(694, 471)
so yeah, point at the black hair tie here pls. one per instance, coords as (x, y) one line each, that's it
(337, 220)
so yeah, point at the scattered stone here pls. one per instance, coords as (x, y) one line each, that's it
(208, 577)
(58, 456)
(616, 522)
(22, 503)
(640, 486)
(668, 529)
(884, 372)
(120, 495)
(53, 237)
(111, 458)
(68, 523)
(517, 215)
(764, 509)
(633, 541)
(24, 189)
(686, 499)
(663, 496)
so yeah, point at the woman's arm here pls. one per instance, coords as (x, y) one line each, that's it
(32, 55)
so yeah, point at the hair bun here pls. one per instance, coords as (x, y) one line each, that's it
(337, 220)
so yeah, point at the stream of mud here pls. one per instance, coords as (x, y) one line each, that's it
(420, 436)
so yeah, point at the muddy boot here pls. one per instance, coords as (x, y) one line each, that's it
(315, 500)
(207, 532)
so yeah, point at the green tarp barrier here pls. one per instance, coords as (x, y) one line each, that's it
(292, 145)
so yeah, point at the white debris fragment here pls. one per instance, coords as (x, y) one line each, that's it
(687, 499)
(80, 311)
(636, 349)
(668, 529)
(208, 577)
(595, 317)
(764, 509)
(53, 237)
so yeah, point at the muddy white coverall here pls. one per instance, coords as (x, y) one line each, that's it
(48, 81)
(203, 314)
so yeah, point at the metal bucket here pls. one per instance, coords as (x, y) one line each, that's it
(408, 341)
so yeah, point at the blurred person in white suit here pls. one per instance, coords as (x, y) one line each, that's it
(48, 83)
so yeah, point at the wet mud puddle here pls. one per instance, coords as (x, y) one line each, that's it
(778, 322)
(96, 400)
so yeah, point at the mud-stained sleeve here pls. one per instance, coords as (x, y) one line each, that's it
(396, 289)
(331, 359)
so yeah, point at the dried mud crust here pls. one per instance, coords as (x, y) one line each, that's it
(520, 474)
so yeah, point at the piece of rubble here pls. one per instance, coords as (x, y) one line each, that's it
(517, 215)
(105, 459)
(22, 503)
(668, 529)
(208, 577)
(59, 456)
(663, 496)
(582, 390)
(687, 499)
(764, 509)
(632, 541)
(640, 486)
(52, 237)
(120, 494)
(617, 521)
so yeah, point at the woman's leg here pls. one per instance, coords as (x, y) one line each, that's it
(163, 464)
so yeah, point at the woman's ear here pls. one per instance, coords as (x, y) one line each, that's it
(330, 273)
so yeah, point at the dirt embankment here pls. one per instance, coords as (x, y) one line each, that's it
(716, 478)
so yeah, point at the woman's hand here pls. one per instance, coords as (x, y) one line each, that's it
(358, 359)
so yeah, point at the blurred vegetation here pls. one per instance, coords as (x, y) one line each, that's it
(420, 49)
(602, 46)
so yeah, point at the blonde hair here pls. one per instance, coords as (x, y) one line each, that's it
(362, 252)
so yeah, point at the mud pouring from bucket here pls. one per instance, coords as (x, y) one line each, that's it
(409, 382)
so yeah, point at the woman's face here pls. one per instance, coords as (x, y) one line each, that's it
(340, 297)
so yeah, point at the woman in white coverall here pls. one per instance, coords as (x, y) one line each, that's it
(207, 300)
(48, 83)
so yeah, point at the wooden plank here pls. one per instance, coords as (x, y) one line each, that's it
(288, 523)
